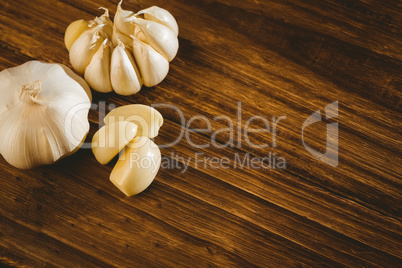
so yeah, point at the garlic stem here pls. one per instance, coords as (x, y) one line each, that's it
(30, 91)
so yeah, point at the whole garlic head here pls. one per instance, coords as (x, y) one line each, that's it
(43, 113)
(138, 49)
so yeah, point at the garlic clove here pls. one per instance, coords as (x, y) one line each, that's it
(43, 114)
(147, 118)
(152, 65)
(85, 47)
(161, 16)
(137, 166)
(119, 36)
(73, 31)
(123, 20)
(124, 75)
(139, 34)
(160, 37)
(110, 139)
(97, 73)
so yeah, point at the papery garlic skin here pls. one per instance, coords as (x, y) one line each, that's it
(97, 73)
(79, 80)
(147, 118)
(124, 74)
(137, 166)
(110, 139)
(153, 66)
(104, 21)
(161, 16)
(38, 99)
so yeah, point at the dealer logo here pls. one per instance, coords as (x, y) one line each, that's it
(331, 149)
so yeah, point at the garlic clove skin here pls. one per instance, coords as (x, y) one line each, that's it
(97, 73)
(125, 77)
(104, 21)
(43, 114)
(160, 37)
(161, 16)
(137, 166)
(152, 65)
(110, 139)
(74, 30)
(147, 118)
(85, 47)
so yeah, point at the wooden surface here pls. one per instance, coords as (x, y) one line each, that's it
(278, 58)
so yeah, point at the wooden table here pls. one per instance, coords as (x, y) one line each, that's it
(209, 206)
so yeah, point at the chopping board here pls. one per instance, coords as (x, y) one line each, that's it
(281, 143)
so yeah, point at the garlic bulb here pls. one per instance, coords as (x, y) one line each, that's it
(138, 51)
(43, 113)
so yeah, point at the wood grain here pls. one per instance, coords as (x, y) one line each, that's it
(276, 58)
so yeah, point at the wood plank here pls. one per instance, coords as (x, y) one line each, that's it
(267, 58)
